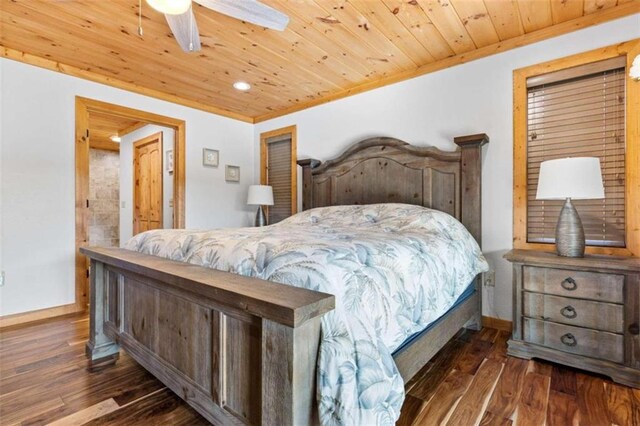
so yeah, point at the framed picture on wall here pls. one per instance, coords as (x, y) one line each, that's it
(210, 157)
(232, 173)
(169, 161)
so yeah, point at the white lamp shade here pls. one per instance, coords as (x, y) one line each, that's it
(170, 7)
(578, 178)
(260, 195)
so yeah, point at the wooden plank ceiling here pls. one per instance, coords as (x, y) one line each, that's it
(331, 48)
(103, 126)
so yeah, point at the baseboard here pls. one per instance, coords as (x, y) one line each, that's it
(497, 323)
(40, 314)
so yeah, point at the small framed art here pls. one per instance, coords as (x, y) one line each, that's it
(169, 161)
(232, 173)
(210, 157)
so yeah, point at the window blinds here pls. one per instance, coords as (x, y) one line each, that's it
(579, 112)
(279, 176)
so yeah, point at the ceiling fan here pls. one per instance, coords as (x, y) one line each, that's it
(181, 20)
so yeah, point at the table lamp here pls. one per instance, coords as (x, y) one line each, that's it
(577, 178)
(260, 195)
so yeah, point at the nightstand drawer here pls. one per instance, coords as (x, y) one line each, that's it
(578, 284)
(583, 313)
(576, 340)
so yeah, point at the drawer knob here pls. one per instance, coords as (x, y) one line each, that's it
(569, 284)
(569, 312)
(569, 339)
(634, 329)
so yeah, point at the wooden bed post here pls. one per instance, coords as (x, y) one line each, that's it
(471, 205)
(471, 185)
(100, 346)
(288, 373)
(307, 165)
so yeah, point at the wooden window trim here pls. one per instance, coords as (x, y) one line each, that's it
(294, 165)
(630, 49)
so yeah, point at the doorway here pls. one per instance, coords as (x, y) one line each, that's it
(105, 132)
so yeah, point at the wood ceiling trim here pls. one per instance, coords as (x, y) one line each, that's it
(523, 40)
(38, 61)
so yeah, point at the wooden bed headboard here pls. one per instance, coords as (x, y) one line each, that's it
(388, 170)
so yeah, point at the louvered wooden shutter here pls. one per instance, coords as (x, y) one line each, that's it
(579, 112)
(279, 176)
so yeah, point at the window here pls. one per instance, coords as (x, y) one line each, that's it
(578, 112)
(279, 169)
(579, 106)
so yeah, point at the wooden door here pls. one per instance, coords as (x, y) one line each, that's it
(147, 183)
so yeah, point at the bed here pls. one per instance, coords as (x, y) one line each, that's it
(241, 349)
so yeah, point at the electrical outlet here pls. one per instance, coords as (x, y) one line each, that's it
(489, 278)
(1, 278)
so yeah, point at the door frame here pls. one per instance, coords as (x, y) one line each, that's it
(141, 142)
(84, 107)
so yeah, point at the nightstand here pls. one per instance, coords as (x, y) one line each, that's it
(581, 312)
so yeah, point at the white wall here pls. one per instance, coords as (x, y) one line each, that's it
(1, 133)
(432, 109)
(126, 178)
(37, 177)
(37, 198)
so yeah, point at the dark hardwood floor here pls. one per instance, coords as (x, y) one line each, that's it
(44, 379)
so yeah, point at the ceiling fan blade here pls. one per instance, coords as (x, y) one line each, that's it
(185, 30)
(249, 10)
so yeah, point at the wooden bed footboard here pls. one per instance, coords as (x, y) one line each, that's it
(238, 349)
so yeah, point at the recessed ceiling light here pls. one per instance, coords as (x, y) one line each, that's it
(242, 85)
(116, 138)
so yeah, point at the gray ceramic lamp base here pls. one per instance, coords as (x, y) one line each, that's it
(569, 232)
(261, 219)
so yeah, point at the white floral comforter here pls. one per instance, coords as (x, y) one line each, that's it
(394, 269)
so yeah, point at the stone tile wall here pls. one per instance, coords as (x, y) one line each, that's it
(104, 198)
